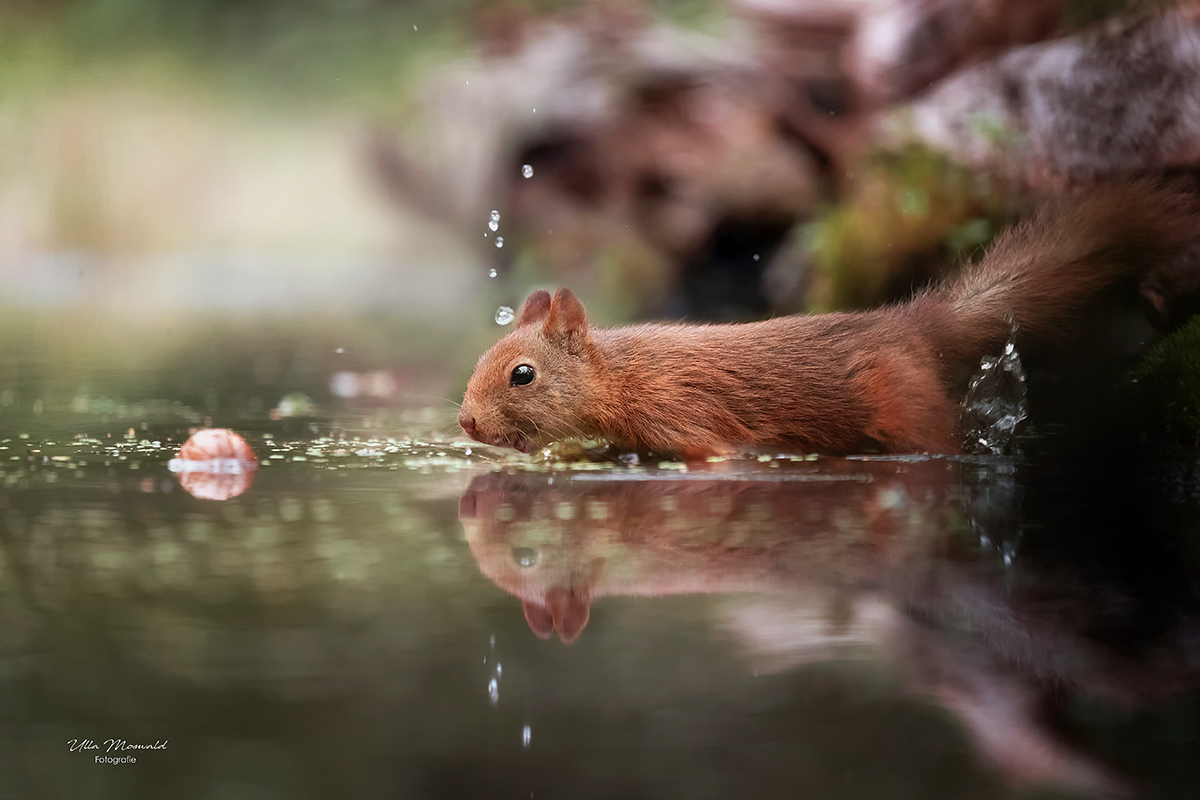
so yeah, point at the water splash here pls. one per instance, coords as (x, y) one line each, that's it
(527, 171)
(504, 315)
(995, 403)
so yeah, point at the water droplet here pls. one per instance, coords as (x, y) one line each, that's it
(495, 216)
(491, 273)
(756, 256)
(504, 315)
(499, 241)
(340, 350)
(525, 556)
(499, 670)
(494, 690)
(492, 641)
(526, 736)
(494, 225)
(414, 27)
(527, 171)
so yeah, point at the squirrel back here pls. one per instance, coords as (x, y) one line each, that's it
(830, 383)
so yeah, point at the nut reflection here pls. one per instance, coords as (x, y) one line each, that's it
(215, 464)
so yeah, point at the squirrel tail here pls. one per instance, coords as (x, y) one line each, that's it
(1040, 273)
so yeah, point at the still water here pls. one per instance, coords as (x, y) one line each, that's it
(374, 613)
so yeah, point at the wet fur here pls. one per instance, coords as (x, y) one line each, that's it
(832, 383)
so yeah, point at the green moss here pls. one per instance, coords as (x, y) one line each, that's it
(1169, 383)
(907, 217)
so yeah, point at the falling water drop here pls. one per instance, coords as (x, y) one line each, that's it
(499, 241)
(494, 690)
(504, 315)
(494, 225)
(527, 171)
(491, 273)
(526, 736)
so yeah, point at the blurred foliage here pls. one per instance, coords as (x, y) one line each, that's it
(1081, 13)
(364, 49)
(906, 217)
(229, 369)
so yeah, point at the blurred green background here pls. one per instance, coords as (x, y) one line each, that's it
(186, 192)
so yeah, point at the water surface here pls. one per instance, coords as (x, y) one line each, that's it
(380, 614)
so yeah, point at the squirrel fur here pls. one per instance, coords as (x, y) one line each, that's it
(839, 383)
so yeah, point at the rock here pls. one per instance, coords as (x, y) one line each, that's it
(1119, 99)
(901, 48)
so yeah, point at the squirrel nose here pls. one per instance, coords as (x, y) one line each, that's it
(467, 422)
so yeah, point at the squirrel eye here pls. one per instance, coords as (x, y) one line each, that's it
(521, 375)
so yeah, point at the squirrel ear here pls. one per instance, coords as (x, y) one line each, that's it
(567, 317)
(536, 307)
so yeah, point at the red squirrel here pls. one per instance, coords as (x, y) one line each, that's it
(881, 380)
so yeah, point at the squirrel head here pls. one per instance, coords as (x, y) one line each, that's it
(534, 386)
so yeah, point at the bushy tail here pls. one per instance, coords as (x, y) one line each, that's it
(1040, 273)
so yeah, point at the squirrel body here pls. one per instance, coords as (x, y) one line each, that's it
(835, 384)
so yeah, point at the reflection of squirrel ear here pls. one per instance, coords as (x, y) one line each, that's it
(570, 613)
(536, 308)
(567, 317)
(539, 618)
(468, 505)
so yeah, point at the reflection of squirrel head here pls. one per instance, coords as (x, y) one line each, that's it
(535, 385)
(530, 553)
(559, 543)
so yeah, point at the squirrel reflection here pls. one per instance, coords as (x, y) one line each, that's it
(558, 547)
(862, 555)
